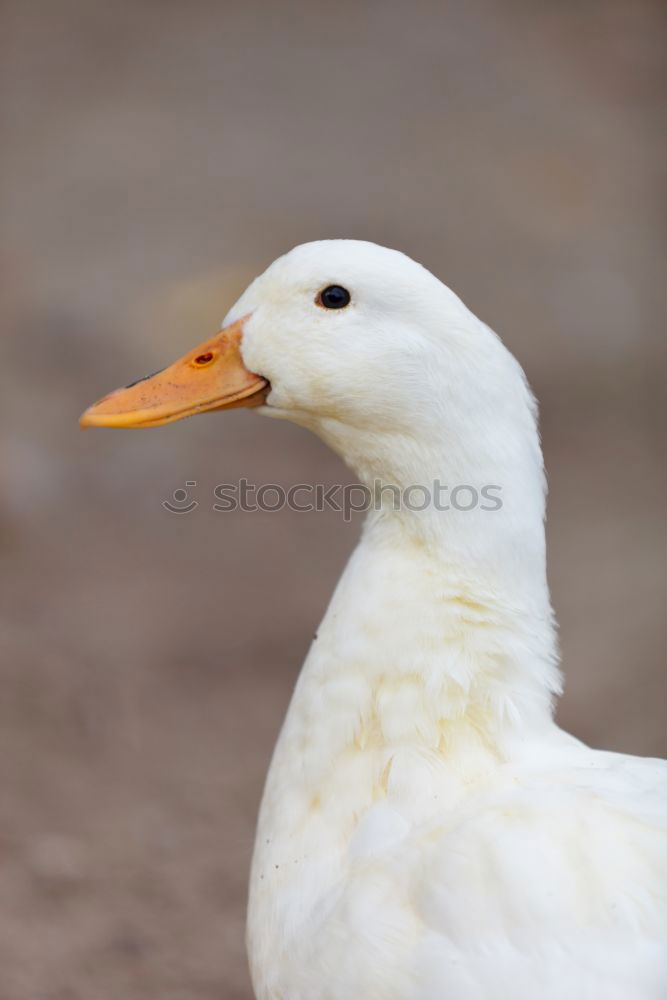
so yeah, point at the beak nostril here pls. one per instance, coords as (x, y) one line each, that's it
(204, 359)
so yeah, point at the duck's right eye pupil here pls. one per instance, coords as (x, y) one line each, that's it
(334, 297)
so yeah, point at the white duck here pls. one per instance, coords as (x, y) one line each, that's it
(427, 832)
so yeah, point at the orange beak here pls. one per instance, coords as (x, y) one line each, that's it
(211, 377)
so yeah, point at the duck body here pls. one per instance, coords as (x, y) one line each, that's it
(427, 832)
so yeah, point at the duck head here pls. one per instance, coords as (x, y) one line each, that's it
(364, 346)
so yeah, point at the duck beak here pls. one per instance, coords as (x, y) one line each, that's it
(211, 377)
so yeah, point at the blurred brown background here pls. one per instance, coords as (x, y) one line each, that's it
(156, 155)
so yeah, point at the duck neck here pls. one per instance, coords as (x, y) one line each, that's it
(425, 674)
(435, 661)
(450, 593)
(438, 643)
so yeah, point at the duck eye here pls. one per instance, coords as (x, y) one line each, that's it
(333, 297)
